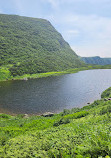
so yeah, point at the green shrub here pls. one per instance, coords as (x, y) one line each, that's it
(67, 111)
(105, 110)
(20, 115)
(5, 116)
(106, 93)
(61, 121)
(77, 115)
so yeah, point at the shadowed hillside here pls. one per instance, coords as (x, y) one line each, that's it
(96, 60)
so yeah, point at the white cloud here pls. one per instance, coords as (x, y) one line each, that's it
(93, 50)
(94, 34)
(88, 35)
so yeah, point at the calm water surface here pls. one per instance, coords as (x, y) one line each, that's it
(53, 93)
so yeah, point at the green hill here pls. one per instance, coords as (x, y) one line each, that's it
(76, 133)
(96, 60)
(31, 45)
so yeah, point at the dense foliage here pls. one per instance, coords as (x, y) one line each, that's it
(96, 60)
(31, 45)
(106, 93)
(77, 133)
(5, 74)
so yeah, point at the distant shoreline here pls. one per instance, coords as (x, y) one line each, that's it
(25, 77)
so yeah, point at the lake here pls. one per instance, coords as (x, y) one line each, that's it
(53, 94)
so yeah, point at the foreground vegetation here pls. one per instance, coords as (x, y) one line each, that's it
(77, 133)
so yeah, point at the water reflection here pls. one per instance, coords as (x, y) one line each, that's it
(53, 93)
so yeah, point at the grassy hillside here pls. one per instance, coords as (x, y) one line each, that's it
(31, 45)
(96, 60)
(76, 133)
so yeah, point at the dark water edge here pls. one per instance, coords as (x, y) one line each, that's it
(53, 94)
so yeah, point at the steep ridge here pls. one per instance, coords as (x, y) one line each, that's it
(32, 45)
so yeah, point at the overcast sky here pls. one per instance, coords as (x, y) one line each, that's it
(84, 24)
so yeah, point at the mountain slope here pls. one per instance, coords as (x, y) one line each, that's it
(96, 60)
(31, 45)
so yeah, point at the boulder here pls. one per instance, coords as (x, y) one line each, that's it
(26, 116)
(105, 99)
(47, 114)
